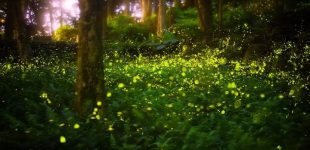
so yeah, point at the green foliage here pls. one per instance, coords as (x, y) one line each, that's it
(186, 23)
(125, 28)
(166, 102)
(66, 33)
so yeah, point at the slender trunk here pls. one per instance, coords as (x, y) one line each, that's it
(220, 15)
(189, 3)
(51, 11)
(61, 20)
(161, 18)
(146, 6)
(127, 7)
(90, 78)
(205, 18)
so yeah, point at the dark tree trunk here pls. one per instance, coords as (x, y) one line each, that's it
(205, 18)
(189, 3)
(161, 18)
(220, 15)
(15, 27)
(90, 78)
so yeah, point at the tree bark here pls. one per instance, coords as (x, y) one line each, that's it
(90, 78)
(161, 18)
(189, 3)
(205, 18)
(220, 15)
(51, 11)
(15, 27)
(146, 6)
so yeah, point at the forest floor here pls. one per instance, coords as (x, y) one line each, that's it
(165, 102)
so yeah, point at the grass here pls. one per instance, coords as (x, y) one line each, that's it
(164, 102)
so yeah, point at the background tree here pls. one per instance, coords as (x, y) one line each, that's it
(90, 78)
(15, 26)
(146, 6)
(205, 18)
(161, 18)
(189, 3)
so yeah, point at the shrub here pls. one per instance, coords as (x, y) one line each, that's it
(66, 33)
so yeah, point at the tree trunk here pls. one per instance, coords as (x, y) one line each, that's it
(161, 18)
(61, 18)
(127, 7)
(146, 6)
(189, 3)
(205, 18)
(15, 27)
(220, 15)
(90, 78)
(51, 11)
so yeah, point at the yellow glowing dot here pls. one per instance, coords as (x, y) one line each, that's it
(169, 105)
(44, 95)
(280, 96)
(291, 92)
(183, 74)
(109, 94)
(149, 108)
(95, 109)
(62, 139)
(110, 128)
(98, 117)
(76, 126)
(196, 82)
(211, 106)
(99, 103)
(223, 112)
(262, 95)
(119, 113)
(237, 104)
(121, 85)
(232, 85)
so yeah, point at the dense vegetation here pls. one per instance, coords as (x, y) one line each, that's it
(247, 88)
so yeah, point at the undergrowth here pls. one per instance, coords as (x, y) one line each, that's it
(165, 102)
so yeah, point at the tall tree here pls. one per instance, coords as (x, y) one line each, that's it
(90, 78)
(161, 18)
(205, 18)
(220, 14)
(51, 17)
(15, 26)
(146, 6)
(127, 7)
(189, 3)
